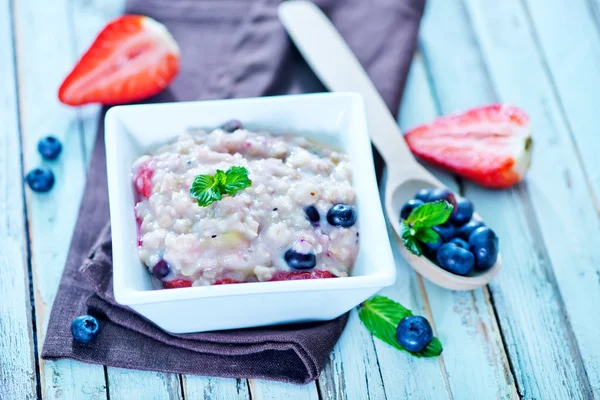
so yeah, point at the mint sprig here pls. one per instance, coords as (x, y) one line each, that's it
(416, 228)
(208, 188)
(381, 317)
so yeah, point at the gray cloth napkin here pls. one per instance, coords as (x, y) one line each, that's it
(229, 48)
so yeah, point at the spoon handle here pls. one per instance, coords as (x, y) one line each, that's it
(333, 62)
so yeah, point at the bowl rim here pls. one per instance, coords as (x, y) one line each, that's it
(129, 296)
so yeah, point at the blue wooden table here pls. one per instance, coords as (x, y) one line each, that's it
(533, 332)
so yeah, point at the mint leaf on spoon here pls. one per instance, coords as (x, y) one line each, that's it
(416, 228)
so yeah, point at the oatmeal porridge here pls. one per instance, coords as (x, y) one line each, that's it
(296, 220)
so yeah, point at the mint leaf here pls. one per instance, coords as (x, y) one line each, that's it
(427, 235)
(236, 179)
(381, 317)
(207, 188)
(409, 239)
(430, 214)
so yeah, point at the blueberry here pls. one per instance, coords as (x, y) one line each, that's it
(341, 215)
(49, 147)
(442, 194)
(462, 213)
(423, 195)
(85, 328)
(460, 243)
(465, 230)
(483, 243)
(408, 207)
(312, 214)
(40, 179)
(431, 249)
(161, 269)
(445, 230)
(414, 333)
(232, 126)
(455, 259)
(300, 261)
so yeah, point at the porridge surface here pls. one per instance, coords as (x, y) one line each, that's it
(246, 237)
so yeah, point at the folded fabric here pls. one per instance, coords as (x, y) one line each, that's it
(234, 48)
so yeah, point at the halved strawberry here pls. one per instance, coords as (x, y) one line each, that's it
(490, 145)
(134, 57)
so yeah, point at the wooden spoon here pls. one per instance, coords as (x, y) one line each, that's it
(338, 69)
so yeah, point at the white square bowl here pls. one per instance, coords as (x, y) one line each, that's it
(336, 119)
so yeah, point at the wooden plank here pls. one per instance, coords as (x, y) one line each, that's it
(465, 321)
(571, 232)
(51, 216)
(199, 387)
(17, 348)
(131, 384)
(269, 390)
(568, 34)
(529, 305)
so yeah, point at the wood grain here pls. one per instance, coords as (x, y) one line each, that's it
(530, 306)
(128, 384)
(17, 361)
(200, 387)
(269, 390)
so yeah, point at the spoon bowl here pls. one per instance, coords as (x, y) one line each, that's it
(333, 62)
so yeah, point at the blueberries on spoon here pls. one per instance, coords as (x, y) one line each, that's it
(460, 243)
(414, 333)
(432, 248)
(85, 328)
(341, 215)
(445, 230)
(161, 269)
(462, 212)
(40, 179)
(423, 195)
(455, 259)
(465, 230)
(300, 261)
(483, 243)
(442, 194)
(49, 147)
(408, 207)
(312, 214)
(232, 126)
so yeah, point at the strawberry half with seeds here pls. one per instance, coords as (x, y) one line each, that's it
(134, 57)
(489, 145)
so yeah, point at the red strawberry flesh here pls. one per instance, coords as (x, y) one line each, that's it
(490, 145)
(134, 57)
(292, 276)
(177, 283)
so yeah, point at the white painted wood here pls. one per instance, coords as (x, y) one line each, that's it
(530, 308)
(126, 384)
(269, 390)
(352, 371)
(51, 216)
(199, 387)
(569, 36)
(17, 367)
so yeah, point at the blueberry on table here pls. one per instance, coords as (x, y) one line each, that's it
(161, 269)
(414, 333)
(408, 207)
(312, 214)
(483, 243)
(49, 147)
(232, 126)
(455, 259)
(341, 215)
(445, 230)
(462, 212)
(300, 261)
(40, 179)
(460, 243)
(442, 194)
(465, 230)
(85, 328)
(423, 195)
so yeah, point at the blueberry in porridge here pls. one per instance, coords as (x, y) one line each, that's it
(232, 206)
